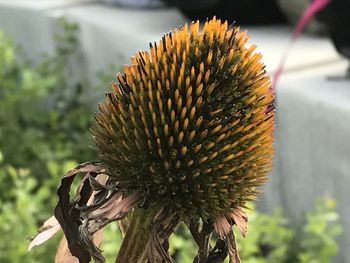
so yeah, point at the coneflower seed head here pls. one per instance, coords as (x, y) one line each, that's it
(190, 122)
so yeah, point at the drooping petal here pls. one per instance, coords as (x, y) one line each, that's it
(241, 219)
(45, 232)
(113, 209)
(222, 226)
(99, 215)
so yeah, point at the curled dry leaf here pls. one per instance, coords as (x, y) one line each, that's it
(51, 226)
(82, 217)
(232, 248)
(163, 226)
(67, 212)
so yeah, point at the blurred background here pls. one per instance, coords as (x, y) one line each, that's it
(58, 57)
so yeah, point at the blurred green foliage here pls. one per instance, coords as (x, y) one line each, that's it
(268, 240)
(318, 244)
(272, 239)
(20, 216)
(44, 113)
(44, 120)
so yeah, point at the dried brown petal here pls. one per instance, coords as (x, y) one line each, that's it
(222, 226)
(45, 232)
(241, 220)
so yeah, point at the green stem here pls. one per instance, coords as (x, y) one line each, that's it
(137, 238)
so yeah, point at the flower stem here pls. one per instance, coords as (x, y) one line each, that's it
(137, 238)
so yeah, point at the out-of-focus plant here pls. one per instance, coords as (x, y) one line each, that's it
(44, 112)
(268, 240)
(318, 243)
(19, 216)
(43, 116)
(273, 239)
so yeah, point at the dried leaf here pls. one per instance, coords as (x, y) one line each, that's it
(202, 235)
(218, 253)
(232, 248)
(68, 215)
(163, 226)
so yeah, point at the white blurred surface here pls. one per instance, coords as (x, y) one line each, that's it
(313, 145)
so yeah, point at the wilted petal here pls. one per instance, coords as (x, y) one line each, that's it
(113, 209)
(98, 183)
(86, 167)
(222, 226)
(45, 232)
(98, 215)
(241, 219)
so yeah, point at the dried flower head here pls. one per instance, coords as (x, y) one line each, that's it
(189, 124)
(185, 136)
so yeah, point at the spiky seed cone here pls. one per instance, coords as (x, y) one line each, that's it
(190, 122)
